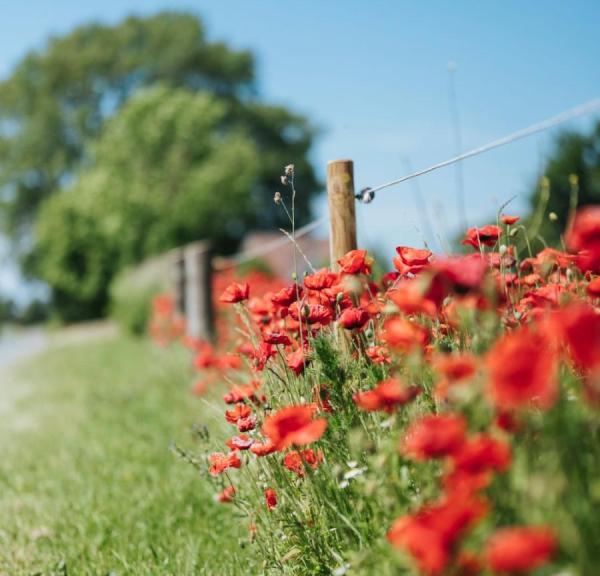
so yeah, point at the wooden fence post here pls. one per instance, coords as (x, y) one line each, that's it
(340, 191)
(199, 313)
(177, 280)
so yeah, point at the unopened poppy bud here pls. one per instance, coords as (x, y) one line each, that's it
(339, 297)
(514, 232)
(573, 180)
(294, 276)
(305, 310)
(277, 198)
(284, 180)
(368, 333)
(553, 217)
(502, 249)
(289, 170)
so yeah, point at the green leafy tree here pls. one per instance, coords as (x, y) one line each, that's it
(571, 178)
(163, 173)
(56, 133)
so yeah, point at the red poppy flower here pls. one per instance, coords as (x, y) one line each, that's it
(580, 326)
(378, 354)
(453, 369)
(295, 460)
(353, 318)
(410, 298)
(272, 337)
(240, 393)
(311, 313)
(593, 288)
(296, 361)
(456, 274)
(246, 424)
(263, 448)
(355, 262)
(241, 442)
(434, 436)
(584, 237)
(226, 495)
(410, 260)
(270, 498)
(404, 335)
(484, 236)
(320, 280)
(287, 295)
(474, 461)
(262, 355)
(520, 549)
(430, 534)
(509, 220)
(235, 293)
(294, 425)
(220, 462)
(238, 412)
(386, 396)
(522, 371)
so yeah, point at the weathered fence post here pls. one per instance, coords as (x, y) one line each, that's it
(177, 280)
(199, 314)
(340, 191)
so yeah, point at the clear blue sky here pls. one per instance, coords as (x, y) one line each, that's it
(374, 76)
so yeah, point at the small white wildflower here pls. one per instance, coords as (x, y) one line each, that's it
(344, 484)
(352, 464)
(354, 473)
(387, 423)
(341, 570)
(289, 170)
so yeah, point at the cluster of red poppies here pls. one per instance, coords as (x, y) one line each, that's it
(544, 316)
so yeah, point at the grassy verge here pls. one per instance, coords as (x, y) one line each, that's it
(87, 482)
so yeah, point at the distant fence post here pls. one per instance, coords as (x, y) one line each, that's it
(340, 191)
(177, 280)
(199, 314)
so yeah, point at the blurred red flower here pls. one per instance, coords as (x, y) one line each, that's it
(353, 318)
(295, 460)
(509, 220)
(522, 371)
(485, 236)
(434, 436)
(220, 462)
(294, 425)
(404, 335)
(583, 237)
(226, 495)
(270, 498)
(235, 293)
(430, 534)
(386, 396)
(520, 549)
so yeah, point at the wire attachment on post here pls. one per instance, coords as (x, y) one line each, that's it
(366, 195)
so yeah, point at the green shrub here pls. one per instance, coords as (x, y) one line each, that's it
(132, 292)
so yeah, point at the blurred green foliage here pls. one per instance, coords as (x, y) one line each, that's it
(574, 154)
(118, 142)
(132, 292)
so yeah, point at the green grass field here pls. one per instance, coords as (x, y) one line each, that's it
(88, 484)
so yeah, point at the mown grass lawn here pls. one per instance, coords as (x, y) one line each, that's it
(88, 484)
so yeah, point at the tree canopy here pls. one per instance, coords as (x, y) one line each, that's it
(120, 141)
(571, 174)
